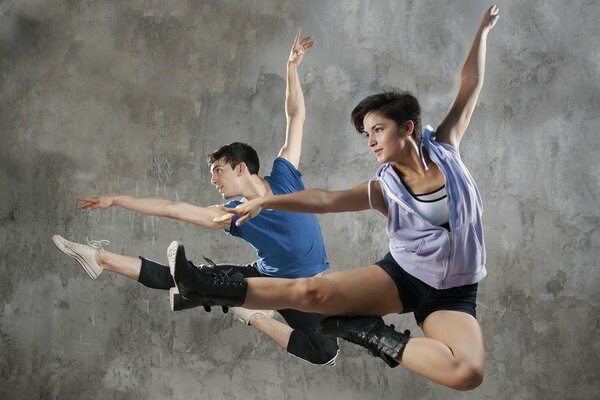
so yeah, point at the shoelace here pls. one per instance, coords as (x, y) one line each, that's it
(217, 278)
(213, 264)
(208, 260)
(97, 244)
(359, 336)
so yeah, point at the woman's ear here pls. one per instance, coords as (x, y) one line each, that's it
(409, 128)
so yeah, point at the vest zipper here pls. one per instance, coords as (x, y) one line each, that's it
(410, 210)
(449, 259)
(398, 201)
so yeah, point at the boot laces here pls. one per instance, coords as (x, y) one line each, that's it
(211, 262)
(97, 244)
(368, 338)
(360, 336)
(217, 277)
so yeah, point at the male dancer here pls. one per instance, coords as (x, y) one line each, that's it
(289, 245)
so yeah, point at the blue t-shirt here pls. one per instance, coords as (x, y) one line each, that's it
(288, 244)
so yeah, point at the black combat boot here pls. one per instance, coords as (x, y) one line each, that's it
(178, 303)
(370, 332)
(203, 286)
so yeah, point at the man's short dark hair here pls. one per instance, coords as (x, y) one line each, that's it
(235, 153)
(397, 106)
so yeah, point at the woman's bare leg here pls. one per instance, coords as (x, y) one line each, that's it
(361, 291)
(452, 352)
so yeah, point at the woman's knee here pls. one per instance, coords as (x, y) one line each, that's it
(468, 376)
(310, 292)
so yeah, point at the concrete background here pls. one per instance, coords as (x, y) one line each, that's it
(129, 97)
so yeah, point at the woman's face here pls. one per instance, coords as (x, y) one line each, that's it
(385, 139)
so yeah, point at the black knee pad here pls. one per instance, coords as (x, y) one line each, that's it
(312, 347)
(155, 275)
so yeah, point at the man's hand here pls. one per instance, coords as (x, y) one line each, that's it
(92, 203)
(299, 47)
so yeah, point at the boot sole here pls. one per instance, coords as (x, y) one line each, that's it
(175, 299)
(174, 295)
(64, 248)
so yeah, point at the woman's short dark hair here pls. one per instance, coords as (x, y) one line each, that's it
(400, 107)
(235, 153)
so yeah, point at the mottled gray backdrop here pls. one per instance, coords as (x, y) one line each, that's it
(129, 96)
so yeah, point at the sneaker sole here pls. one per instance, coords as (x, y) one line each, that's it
(71, 253)
(175, 298)
(172, 257)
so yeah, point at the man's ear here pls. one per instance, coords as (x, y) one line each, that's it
(241, 169)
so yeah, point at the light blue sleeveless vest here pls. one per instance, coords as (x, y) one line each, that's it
(441, 258)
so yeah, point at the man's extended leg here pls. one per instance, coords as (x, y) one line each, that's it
(298, 337)
(304, 341)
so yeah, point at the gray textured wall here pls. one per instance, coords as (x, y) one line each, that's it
(129, 96)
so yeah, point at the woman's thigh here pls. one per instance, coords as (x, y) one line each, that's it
(460, 332)
(361, 291)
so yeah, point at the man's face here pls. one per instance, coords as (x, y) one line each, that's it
(224, 178)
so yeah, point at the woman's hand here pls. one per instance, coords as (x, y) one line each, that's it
(247, 210)
(299, 47)
(92, 203)
(490, 18)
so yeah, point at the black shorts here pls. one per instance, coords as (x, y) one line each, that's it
(418, 297)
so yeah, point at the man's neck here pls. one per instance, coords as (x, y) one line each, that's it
(256, 187)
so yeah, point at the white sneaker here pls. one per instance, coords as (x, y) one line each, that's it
(84, 254)
(243, 314)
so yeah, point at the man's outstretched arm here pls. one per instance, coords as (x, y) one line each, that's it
(197, 215)
(294, 102)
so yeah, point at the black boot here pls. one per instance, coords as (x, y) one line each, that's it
(370, 332)
(178, 303)
(204, 286)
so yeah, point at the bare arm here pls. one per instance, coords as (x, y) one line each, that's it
(453, 127)
(294, 102)
(202, 216)
(310, 201)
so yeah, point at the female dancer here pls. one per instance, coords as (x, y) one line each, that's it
(434, 224)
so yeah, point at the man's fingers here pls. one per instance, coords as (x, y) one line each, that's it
(242, 220)
(223, 218)
(84, 198)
